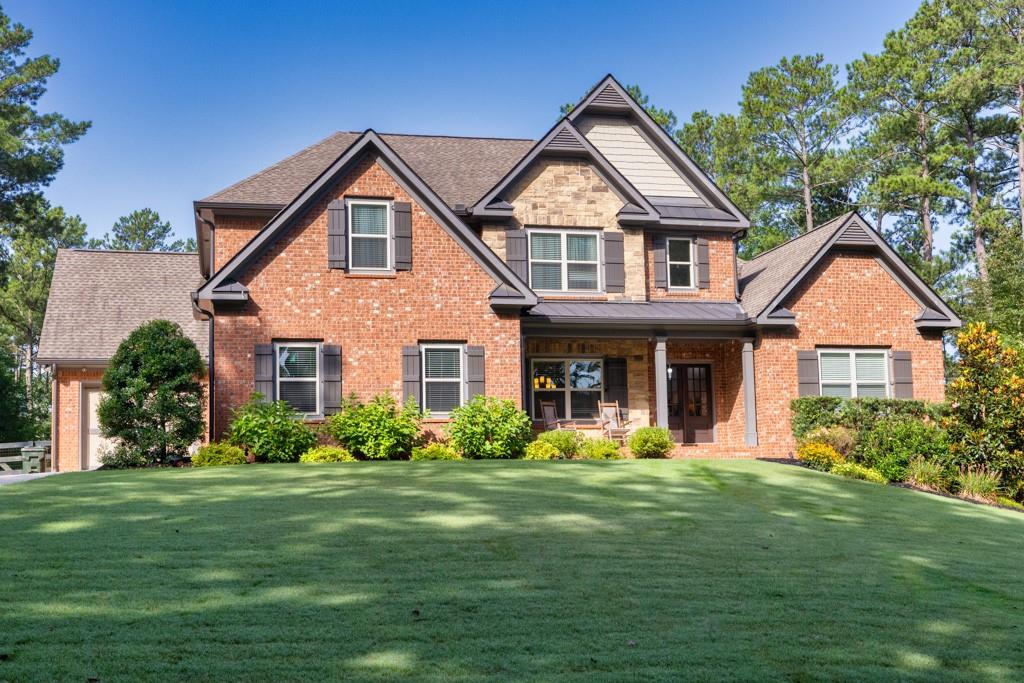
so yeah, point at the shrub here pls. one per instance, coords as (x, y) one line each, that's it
(840, 438)
(567, 441)
(650, 442)
(436, 451)
(928, 474)
(542, 450)
(858, 414)
(600, 449)
(120, 457)
(892, 443)
(977, 483)
(326, 454)
(488, 427)
(852, 470)
(153, 401)
(377, 430)
(819, 456)
(217, 454)
(271, 432)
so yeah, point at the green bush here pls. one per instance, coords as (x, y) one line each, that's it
(326, 454)
(893, 442)
(271, 432)
(977, 483)
(217, 454)
(436, 451)
(120, 457)
(650, 442)
(840, 438)
(543, 450)
(567, 441)
(858, 414)
(489, 427)
(600, 449)
(928, 474)
(818, 456)
(377, 430)
(852, 470)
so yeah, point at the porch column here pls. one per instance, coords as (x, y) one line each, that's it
(749, 401)
(661, 381)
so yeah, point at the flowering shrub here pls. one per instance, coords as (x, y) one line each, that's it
(819, 456)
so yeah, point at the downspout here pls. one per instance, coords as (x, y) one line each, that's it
(204, 309)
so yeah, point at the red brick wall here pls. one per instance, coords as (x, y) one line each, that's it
(293, 295)
(849, 301)
(231, 234)
(721, 267)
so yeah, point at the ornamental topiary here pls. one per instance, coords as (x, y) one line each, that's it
(377, 430)
(852, 470)
(435, 451)
(600, 449)
(651, 442)
(818, 456)
(327, 454)
(567, 441)
(489, 427)
(218, 454)
(542, 450)
(271, 432)
(152, 400)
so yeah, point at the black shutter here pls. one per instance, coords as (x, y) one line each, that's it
(337, 242)
(403, 235)
(330, 378)
(264, 356)
(807, 373)
(411, 374)
(515, 253)
(660, 263)
(703, 264)
(615, 383)
(474, 371)
(902, 375)
(614, 262)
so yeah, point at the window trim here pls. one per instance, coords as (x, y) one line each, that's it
(886, 359)
(564, 262)
(669, 263)
(461, 348)
(567, 389)
(388, 237)
(318, 380)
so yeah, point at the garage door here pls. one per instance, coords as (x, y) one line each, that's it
(92, 443)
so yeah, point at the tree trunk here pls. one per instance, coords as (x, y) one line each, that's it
(879, 217)
(1020, 153)
(972, 186)
(926, 200)
(808, 208)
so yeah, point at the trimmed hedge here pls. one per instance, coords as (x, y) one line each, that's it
(858, 414)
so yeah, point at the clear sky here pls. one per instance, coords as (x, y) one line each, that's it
(188, 97)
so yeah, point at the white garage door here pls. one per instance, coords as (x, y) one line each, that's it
(92, 443)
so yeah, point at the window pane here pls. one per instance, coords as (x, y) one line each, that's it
(549, 375)
(679, 250)
(546, 276)
(835, 367)
(441, 397)
(582, 276)
(299, 395)
(296, 361)
(875, 390)
(585, 374)
(441, 363)
(870, 367)
(584, 404)
(679, 276)
(546, 246)
(369, 219)
(840, 391)
(557, 396)
(581, 247)
(369, 252)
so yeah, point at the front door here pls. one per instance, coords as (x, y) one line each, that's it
(689, 402)
(93, 443)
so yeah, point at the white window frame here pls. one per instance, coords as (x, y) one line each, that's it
(387, 237)
(564, 262)
(567, 389)
(669, 263)
(278, 378)
(886, 381)
(461, 348)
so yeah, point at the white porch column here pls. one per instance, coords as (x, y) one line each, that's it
(749, 401)
(661, 381)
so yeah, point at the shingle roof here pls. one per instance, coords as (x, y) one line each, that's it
(98, 297)
(762, 279)
(459, 169)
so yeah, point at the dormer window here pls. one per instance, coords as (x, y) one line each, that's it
(564, 261)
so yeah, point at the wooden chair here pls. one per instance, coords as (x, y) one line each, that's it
(549, 414)
(612, 425)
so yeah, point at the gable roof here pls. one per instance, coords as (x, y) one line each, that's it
(768, 279)
(98, 297)
(510, 290)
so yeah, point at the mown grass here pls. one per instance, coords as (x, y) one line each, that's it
(468, 571)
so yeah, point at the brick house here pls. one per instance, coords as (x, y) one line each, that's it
(596, 263)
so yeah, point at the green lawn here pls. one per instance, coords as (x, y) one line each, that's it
(554, 571)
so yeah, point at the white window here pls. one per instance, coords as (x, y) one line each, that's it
(298, 376)
(853, 373)
(369, 234)
(575, 385)
(443, 377)
(564, 261)
(680, 263)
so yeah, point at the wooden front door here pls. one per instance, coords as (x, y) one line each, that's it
(689, 402)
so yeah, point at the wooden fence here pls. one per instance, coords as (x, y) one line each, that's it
(10, 454)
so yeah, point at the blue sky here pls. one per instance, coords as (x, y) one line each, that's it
(188, 97)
